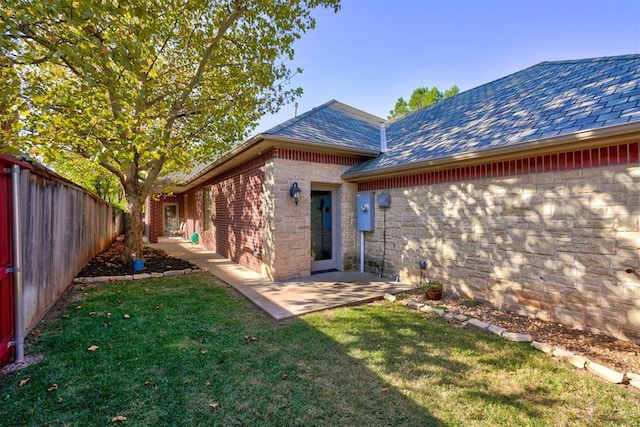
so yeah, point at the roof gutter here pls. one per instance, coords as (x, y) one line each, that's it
(590, 139)
(225, 157)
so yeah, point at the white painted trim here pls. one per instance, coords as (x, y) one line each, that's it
(334, 261)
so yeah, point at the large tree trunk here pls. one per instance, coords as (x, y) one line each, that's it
(135, 193)
(133, 226)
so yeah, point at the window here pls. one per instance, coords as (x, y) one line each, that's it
(206, 208)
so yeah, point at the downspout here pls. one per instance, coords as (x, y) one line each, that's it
(17, 265)
(362, 252)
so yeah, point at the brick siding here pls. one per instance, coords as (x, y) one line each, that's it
(234, 227)
(555, 237)
(155, 216)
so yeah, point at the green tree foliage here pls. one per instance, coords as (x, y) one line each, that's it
(9, 93)
(87, 174)
(421, 97)
(146, 87)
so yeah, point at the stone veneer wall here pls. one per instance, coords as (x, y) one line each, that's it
(287, 226)
(556, 237)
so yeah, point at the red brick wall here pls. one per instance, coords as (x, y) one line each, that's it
(236, 213)
(155, 205)
(236, 210)
(193, 212)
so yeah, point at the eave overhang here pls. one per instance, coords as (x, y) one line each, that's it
(258, 145)
(628, 132)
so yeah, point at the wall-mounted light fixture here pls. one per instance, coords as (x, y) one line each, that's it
(294, 192)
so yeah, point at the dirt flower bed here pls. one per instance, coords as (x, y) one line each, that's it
(108, 262)
(623, 356)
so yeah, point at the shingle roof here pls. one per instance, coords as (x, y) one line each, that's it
(333, 123)
(548, 99)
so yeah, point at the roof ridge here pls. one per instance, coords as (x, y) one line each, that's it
(360, 113)
(594, 59)
(296, 119)
(546, 100)
(543, 63)
(411, 113)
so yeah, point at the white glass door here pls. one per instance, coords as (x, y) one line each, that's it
(323, 230)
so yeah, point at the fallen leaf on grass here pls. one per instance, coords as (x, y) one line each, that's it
(147, 383)
(158, 307)
(24, 381)
(126, 316)
(214, 405)
(52, 388)
(204, 351)
(118, 418)
(93, 348)
(208, 383)
(285, 376)
(93, 313)
(385, 389)
(78, 307)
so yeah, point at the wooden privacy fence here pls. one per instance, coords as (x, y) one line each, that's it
(63, 227)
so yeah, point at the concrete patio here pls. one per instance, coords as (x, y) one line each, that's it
(282, 300)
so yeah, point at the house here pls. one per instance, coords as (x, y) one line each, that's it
(524, 192)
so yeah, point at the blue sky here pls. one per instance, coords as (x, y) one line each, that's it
(374, 51)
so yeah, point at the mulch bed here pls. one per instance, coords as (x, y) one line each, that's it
(622, 356)
(108, 262)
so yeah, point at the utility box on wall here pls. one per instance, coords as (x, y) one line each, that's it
(365, 203)
(384, 200)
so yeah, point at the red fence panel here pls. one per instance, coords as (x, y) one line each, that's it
(6, 279)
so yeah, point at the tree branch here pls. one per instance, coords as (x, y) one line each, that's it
(195, 79)
(114, 170)
(154, 171)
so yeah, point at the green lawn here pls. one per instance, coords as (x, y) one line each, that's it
(190, 342)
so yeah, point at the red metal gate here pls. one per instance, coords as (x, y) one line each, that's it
(6, 278)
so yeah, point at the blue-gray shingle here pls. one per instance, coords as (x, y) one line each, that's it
(333, 123)
(548, 99)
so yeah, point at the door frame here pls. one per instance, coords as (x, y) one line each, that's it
(165, 232)
(334, 262)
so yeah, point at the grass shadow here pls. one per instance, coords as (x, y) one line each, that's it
(188, 351)
(467, 378)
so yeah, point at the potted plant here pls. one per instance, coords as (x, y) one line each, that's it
(433, 289)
